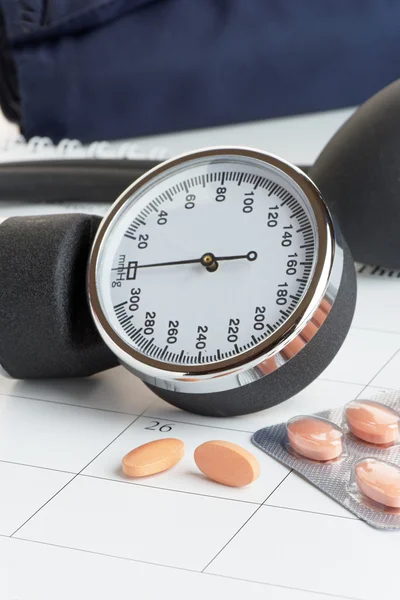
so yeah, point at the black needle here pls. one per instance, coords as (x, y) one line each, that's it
(208, 260)
(166, 264)
(250, 256)
(205, 260)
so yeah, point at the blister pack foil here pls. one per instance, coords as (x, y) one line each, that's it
(337, 477)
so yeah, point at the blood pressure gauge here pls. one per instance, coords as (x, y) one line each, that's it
(220, 279)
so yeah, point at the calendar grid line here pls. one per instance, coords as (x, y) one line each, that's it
(174, 567)
(312, 512)
(166, 489)
(80, 406)
(245, 523)
(71, 480)
(379, 371)
(30, 466)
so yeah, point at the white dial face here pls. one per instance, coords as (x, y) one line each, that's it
(206, 260)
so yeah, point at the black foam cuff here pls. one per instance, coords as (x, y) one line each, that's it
(46, 329)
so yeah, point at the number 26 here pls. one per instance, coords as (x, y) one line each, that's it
(155, 426)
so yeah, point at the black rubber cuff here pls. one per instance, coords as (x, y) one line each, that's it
(46, 329)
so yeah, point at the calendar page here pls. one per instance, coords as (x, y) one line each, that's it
(72, 525)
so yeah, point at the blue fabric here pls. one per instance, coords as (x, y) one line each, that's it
(121, 68)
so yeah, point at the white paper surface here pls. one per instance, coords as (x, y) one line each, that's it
(68, 513)
(72, 526)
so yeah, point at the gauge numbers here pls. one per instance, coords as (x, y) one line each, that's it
(207, 260)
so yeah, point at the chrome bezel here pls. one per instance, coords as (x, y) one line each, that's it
(281, 346)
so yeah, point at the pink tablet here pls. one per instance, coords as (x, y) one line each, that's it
(379, 480)
(372, 421)
(315, 438)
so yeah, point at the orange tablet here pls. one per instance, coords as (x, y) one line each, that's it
(226, 463)
(153, 457)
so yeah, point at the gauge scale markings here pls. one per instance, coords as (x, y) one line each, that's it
(150, 345)
(188, 183)
(140, 340)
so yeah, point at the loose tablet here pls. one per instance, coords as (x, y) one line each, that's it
(378, 480)
(315, 438)
(372, 421)
(153, 457)
(226, 463)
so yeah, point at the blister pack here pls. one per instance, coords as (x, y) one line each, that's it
(351, 453)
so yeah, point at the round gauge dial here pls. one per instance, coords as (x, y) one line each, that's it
(206, 259)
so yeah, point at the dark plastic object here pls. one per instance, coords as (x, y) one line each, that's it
(69, 180)
(46, 329)
(358, 174)
(292, 377)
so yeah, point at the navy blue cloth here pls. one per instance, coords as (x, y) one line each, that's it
(122, 68)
